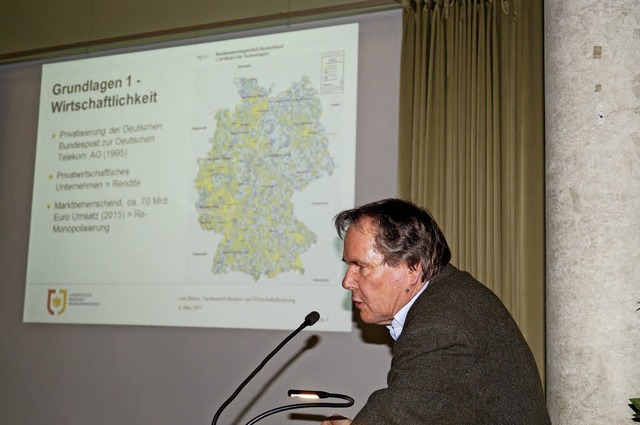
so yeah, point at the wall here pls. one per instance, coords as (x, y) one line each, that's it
(37, 28)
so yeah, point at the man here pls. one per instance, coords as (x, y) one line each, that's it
(459, 358)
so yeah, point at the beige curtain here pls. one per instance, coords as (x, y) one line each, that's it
(472, 141)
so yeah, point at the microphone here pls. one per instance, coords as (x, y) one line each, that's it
(309, 320)
(312, 318)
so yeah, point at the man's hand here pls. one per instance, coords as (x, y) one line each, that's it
(336, 420)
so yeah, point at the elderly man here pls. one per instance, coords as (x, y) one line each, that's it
(459, 358)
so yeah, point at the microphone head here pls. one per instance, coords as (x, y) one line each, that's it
(311, 318)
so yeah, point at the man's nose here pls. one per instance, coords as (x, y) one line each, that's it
(349, 281)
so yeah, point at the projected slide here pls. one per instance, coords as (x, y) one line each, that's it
(196, 185)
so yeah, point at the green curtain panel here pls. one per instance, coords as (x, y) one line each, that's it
(471, 141)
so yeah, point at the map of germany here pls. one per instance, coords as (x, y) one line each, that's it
(262, 153)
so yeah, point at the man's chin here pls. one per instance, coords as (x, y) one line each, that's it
(371, 319)
(366, 318)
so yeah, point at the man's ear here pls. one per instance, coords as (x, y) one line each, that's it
(415, 274)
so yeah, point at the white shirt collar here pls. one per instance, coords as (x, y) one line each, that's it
(395, 328)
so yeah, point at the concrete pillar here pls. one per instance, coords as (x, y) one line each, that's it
(592, 96)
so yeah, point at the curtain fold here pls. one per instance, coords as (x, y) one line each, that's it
(471, 141)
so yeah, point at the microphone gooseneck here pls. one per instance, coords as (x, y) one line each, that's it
(309, 320)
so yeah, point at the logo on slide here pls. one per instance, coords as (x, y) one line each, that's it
(56, 301)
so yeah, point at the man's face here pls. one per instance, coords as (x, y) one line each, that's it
(378, 290)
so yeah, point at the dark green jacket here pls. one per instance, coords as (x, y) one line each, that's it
(460, 359)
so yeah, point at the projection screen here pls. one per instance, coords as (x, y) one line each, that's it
(188, 186)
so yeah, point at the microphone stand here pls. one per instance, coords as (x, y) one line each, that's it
(309, 320)
(306, 394)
